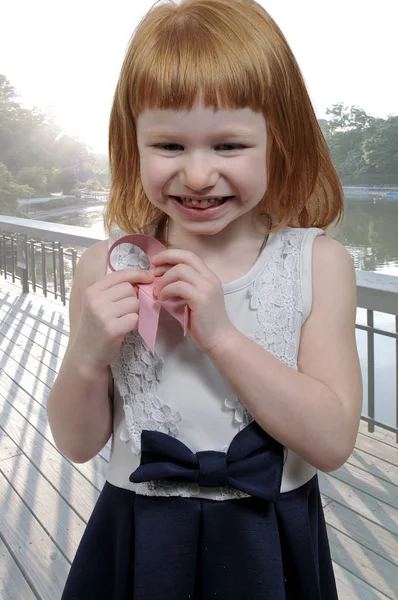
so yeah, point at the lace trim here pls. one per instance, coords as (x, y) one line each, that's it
(241, 416)
(278, 313)
(167, 489)
(137, 372)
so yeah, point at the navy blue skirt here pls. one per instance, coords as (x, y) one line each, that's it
(171, 548)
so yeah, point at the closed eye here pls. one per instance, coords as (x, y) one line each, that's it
(229, 147)
(169, 147)
(220, 147)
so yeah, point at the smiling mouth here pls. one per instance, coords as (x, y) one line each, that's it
(202, 203)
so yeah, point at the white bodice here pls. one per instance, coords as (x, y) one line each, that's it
(179, 391)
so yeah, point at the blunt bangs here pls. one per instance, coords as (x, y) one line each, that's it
(196, 53)
(226, 54)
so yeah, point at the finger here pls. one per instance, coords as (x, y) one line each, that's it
(130, 275)
(179, 289)
(124, 307)
(178, 273)
(161, 270)
(125, 324)
(175, 257)
(120, 291)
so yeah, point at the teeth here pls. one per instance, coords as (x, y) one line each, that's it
(197, 202)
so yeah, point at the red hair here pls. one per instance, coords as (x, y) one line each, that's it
(233, 53)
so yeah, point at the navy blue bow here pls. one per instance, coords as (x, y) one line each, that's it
(253, 463)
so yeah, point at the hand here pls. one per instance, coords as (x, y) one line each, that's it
(109, 312)
(182, 274)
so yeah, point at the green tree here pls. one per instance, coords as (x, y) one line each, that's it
(35, 151)
(363, 148)
(66, 180)
(11, 192)
(35, 177)
(380, 150)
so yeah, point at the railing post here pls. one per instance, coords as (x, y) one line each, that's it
(33, 263)
(22, 261)
(44, 268)
(13, 258)
(5, 256)
(371, 372)
(54, 270)
(2, 256)
(61, 273)
(396, 376)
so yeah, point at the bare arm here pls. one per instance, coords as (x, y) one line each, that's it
(103, 309)
(315, 411)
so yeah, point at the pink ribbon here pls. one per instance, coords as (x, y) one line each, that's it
(148, 320)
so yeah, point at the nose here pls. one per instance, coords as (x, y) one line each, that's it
(199, 173)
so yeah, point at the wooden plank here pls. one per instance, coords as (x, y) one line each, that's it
(55, 515)
(375, 570)
(44, 566)
(14, 290)
(47, 313)
(33, 378)
(39, 310)
(40, 307)
(363, 531)
(8, 448)
(21, 348)
(43, 335)
(17, 317)
(73, 486)
(350, 587)
(360, 502)
(382, 435)
(94, 470)
(325, 500)
(385, 471)
(376, 448)
(368, 483)
(27, 371)
(13, 585)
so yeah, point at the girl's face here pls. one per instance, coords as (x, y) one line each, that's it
(204, 169)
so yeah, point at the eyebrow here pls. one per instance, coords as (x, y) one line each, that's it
(229, 132)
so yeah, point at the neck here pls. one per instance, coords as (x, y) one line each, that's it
(238, 239)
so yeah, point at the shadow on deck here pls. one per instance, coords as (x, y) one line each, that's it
(46, 500)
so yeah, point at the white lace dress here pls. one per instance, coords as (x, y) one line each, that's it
(178, 391)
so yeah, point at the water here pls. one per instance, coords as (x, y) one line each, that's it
(91, 218)
(370, 234)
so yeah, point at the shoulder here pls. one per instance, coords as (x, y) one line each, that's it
(91, 268)
(328, 351)
(92, 264)
(334, 287)
(333, 268)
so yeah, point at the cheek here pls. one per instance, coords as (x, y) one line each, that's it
(252, 176)
(155, 172)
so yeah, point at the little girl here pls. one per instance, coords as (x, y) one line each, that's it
(221, 189)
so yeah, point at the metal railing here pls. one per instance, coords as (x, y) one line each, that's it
(42, 255)
(48, 253)
(46, 266)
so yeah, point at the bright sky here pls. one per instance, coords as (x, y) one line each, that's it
(65, 57)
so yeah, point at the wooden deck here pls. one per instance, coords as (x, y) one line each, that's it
(45, 500)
